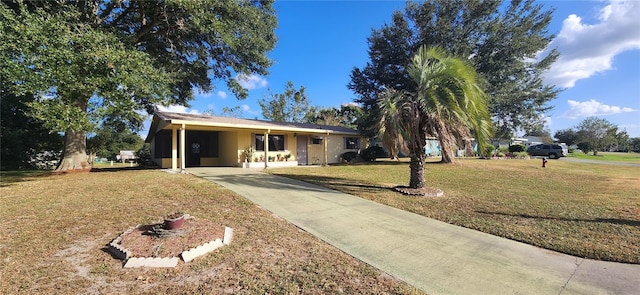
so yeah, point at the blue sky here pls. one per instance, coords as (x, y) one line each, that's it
(320, 42)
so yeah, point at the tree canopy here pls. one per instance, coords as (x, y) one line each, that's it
(112, 137)
(502, 42)
(88, 60)
(595, 134)
(290, 106)
(347, 116)
(24, 139)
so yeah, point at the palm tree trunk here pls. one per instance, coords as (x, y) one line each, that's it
(416, 179)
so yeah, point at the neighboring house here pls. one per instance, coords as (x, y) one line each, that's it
(432, 149)
(181, 140)
(126, 156)
(504, 143)
(533, 140)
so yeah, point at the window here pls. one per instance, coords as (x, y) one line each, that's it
(351, 143)
(162, 147)
(276, 142)
(316, 140)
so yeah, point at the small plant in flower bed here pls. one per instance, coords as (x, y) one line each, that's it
(174, 215)
(520, 155)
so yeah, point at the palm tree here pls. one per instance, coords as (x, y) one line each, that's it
(447, 103)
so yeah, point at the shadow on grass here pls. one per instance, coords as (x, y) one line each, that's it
(118, 169)
(595, 220)
(8, 178)
(390, 162)
(336, 182)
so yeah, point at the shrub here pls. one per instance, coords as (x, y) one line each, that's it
(144, 155)
(349, 157)
(516, 148)
(371, 153)
(489, 150)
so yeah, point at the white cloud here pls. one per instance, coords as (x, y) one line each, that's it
(587, 49)
(355, 104)
(592, 108)
(177, 109)
(251, 82)
(222, 94)
(547, 121)
(247, 108)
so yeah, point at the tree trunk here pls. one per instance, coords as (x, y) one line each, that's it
(447, 145)
(447, 141)
(416, 179)
(74, 155)
(418, 156)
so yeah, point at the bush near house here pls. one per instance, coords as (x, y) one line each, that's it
(372, 153)
(349, 157)
(516, 148)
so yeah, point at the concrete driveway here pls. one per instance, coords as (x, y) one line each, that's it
(436, 257)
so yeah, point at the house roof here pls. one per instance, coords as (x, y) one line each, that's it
(161, 119)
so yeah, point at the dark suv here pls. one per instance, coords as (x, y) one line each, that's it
(553, 151)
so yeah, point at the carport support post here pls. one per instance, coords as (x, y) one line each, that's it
(326, 149)
(174, 148)
(266, 148)
(182, 148)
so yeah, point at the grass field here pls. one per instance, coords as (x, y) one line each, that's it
(54, 231)
(608, 157)
(587, 210)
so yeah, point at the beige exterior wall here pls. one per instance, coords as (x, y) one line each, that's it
(315, 153)
(291, 147)
(209, 161)
(232, 144)
(336, 147)
(166, 162)
(243, 141)
(228, 142)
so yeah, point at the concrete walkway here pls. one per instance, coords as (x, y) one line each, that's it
(436, 257)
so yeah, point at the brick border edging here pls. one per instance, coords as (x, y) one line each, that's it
(122, 253)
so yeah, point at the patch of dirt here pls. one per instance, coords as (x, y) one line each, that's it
(196, 232)
(422, 192)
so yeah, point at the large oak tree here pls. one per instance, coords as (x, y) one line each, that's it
(501, 40)
(90, 60)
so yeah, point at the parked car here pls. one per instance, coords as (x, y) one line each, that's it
(553, 151)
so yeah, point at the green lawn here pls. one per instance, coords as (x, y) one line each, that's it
(587, 210)
(608, 157)
(55, 229)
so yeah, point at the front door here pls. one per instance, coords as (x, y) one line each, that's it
(194, 147)
(302, 150)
